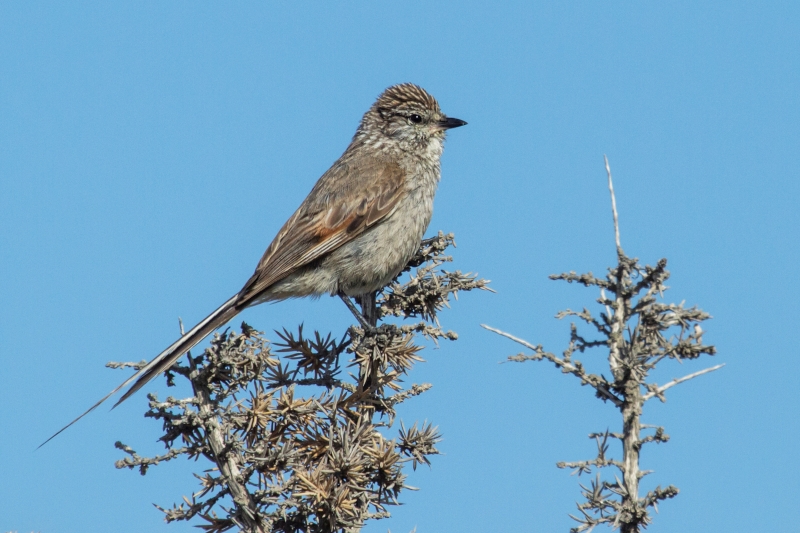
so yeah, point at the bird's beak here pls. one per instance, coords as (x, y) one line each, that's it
(450, 123)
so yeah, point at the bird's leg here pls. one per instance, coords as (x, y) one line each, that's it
(352, 307)
(368, 308)
(369, 372)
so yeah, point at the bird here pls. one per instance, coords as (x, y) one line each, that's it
(355, 231)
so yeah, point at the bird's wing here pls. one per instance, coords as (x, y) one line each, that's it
(347, 200)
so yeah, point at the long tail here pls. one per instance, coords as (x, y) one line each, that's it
(167, 358)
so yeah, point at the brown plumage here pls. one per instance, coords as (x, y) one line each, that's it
(357, 228)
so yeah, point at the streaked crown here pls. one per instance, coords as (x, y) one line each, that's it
(407, 96)
(405, 118)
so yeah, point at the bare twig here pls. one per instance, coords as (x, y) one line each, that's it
(512, 337)
(613, 205)
(599, 383)
(660, 390)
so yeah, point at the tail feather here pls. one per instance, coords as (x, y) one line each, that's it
(188, 341)
(165, 359)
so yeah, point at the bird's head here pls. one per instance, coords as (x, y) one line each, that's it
(407, 116)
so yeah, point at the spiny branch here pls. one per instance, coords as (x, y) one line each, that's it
(291, 441)
(639, 332)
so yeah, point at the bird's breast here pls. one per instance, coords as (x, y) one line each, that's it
(374, 258)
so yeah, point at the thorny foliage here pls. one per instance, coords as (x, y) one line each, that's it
(637, 331)
(296, 442)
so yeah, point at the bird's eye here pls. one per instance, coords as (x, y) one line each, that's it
(416, 119)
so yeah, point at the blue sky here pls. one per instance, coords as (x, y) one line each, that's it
(149, 152)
